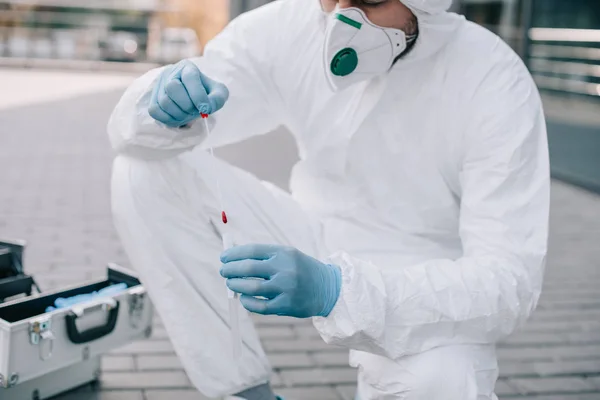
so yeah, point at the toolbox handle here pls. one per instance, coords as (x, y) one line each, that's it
(77, 337)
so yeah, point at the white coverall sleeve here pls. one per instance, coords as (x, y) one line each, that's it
(240, 58)
(484, 295)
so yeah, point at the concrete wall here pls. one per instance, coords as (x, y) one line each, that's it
(206, 17)
(236, 7)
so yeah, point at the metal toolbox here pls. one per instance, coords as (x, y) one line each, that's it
(67, 343)
(55, 383)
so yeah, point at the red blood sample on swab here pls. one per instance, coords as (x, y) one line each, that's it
(224, 217)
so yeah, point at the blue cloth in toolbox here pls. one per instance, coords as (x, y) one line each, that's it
(82, 298)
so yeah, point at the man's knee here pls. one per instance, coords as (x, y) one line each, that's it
(445, 373)
(442, 379)
(452, 373)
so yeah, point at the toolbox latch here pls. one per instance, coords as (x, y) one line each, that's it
(137, 300)
(40, 334)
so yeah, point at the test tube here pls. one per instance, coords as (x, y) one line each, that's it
(233, 299)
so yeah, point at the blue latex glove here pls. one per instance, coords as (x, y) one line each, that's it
(290, 282)
(182, 93)
(62, 302)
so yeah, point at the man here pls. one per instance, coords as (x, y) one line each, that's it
(416, 231)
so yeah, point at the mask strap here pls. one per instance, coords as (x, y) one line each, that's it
(410, 43)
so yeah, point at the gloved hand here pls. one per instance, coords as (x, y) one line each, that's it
(291, 282)
(182, 93)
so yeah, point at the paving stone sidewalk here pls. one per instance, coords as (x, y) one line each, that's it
(54, 192)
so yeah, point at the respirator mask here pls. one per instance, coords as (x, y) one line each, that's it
(357, 50)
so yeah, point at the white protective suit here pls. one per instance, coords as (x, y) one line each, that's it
(428, 186)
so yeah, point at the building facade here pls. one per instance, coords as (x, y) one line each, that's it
(560, 42)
